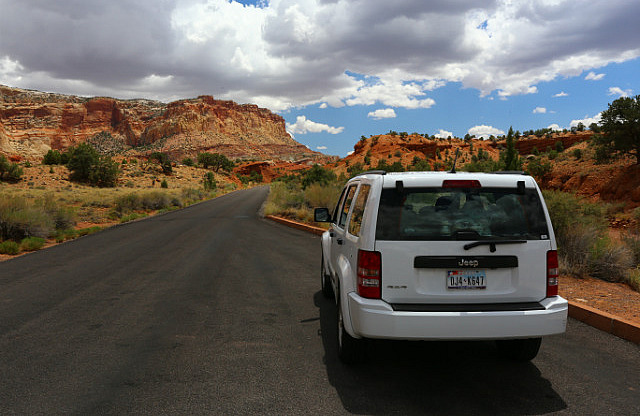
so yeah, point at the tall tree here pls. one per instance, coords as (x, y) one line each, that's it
(511, 159)
(621, 124)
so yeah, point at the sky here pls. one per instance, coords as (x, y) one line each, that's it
(337, 70)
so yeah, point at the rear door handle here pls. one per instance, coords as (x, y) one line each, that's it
(340, 241)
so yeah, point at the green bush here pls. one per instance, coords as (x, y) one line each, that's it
(216, 160)
(187, 161)
(9, 247)
(577, 153)
(53, 157)
(163, 160)
(164, 184)
(317, 174)
(32, 243)
(86, 165)
(105, 173)
(10, 172)
(82, 159)
(536, 167)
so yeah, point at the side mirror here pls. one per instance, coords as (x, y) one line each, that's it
(321, 215)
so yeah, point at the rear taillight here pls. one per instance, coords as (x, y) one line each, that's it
(552, 273)
(369, 274)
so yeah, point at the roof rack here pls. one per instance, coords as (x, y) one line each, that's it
(372, 172)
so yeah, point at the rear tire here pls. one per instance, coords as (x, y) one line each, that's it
(325, 281)
(519, 349)
(350, 350)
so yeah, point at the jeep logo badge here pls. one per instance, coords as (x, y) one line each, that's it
(468, 263)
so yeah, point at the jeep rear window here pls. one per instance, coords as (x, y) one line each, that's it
(460, 214)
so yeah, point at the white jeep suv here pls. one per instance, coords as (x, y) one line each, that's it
(442, 256)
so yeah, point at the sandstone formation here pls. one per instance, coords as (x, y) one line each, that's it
(33, 122)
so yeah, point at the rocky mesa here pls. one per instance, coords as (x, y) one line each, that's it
(32, 122)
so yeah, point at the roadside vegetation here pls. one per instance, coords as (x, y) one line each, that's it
(88, 191)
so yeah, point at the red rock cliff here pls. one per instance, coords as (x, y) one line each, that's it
(33, 122)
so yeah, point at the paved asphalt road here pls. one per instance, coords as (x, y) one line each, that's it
(213, 310)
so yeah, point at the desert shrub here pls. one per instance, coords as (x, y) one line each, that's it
(209, 181)
(632, 241)
(32, 243)
(163, 160)
(575, 249)
(20, 218)
(283, 197)
(559, 146)
(128, 203)
(602, 155)
(577, 225)
(609, 260)
(164, 184)
(89, 230)
(187, 161)
(156, 200)
(132, 216)
(536, 167)
(420, 165)
(633, 278)
(10, 172)
(191, 195)
(64, 217)
(63, 235)
(9, 247)
(316, 195)
(577, 153)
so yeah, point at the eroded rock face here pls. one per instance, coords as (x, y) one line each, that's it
(33, 122)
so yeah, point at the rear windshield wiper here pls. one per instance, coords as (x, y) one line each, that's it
(492, 244)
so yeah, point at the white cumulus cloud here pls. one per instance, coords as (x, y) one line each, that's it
(304, 126)
(382, 113)
(619, 92)
(483, 132)
(443, 134)
(321, 148)
(555, 127)
(592, 76)
(539, 110)
(587, 121)
(561, 94)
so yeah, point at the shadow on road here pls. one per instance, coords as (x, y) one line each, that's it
(434, 377)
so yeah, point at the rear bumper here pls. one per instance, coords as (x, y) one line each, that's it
(372, 318)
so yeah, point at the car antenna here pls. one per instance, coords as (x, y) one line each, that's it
(455, 159)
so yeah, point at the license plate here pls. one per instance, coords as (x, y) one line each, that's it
(466, 279)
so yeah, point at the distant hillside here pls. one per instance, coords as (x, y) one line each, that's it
(33, 122)
(617, 181)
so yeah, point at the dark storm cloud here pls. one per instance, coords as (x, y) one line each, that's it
(104, 42)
